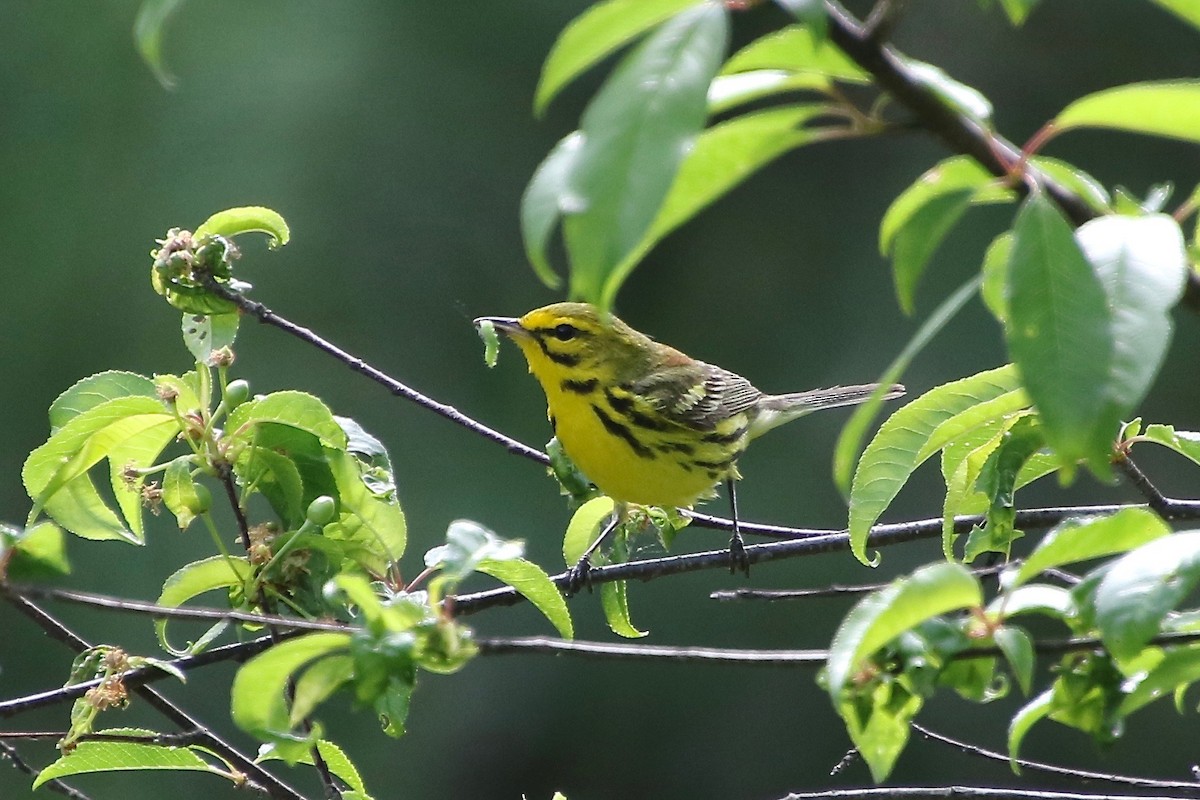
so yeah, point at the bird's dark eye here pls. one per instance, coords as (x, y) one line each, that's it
(565, 332)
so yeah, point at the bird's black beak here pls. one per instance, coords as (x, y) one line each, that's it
(508, 325)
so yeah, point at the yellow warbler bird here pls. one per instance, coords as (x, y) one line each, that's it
(644, 422)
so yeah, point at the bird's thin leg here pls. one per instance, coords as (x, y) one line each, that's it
(737, 548)
(578, 575)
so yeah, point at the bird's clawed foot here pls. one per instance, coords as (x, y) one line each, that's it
(738, 560)
(579, 577)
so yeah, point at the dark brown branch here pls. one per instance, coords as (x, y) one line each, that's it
(1159, 503)
(958, 132)
(881, 536)
(259, 777)
(832, 590)
(269, 317)
(1053, 769)
(498, 646)
(10, 753)
(959, 793)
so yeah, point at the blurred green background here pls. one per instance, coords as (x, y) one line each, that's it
(396, 138)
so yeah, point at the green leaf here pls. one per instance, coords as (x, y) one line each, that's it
(318, 683)
(894, 452)
(1018, 651)
(1083, 539)
(1059, 335)
(994, 271)
(636, 132)
(1186, 443)
(1034, 598)
(959, 97)
(730, 91)
(850, 439)
(468, 544)
(1161, 108)
(335, 759)
(614, 599)
(203, 333)
(1036, 709)
(278, 478)
(997, 480)
(810, 14)
(99, 756)
(378, 526)
(1017, 10)
(1142, 264)
(247, 219)
(889, 708)
(148, 29)
(921, 216)
(1139, 589)
(258, 696)
(885, 614)
(191, 580)
(33, 554)
(94, 390)
(542, 204)
(291, 408)
(535, 585)
(1184, 9)
(722, 157)
(1076, 180)
(971, 419)
(1178, 668)
(595, 34)
(179, 491)
(796, 49)
(584, 527)
(126, 430)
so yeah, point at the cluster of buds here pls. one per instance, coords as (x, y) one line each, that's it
(182, 258)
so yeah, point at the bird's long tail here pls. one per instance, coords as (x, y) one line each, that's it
(776, 409)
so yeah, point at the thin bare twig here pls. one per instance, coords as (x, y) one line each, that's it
(832, 590)
(1159, 503)
(10, 753)
(1053, 769)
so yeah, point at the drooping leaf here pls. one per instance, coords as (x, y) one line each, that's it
(636, 132)
(995, 271)
(1186, 443)
(1060, 336)
(883, 615)
(179, 493)
(148, 29)
(1178, 668)
(535, 585)
(191, 580)
(894, 452)
(595, 34)
(258, 700)
(796, 49)
(1033, 711)
(1018, 651)
(584, 527)
(247, 219)
(542, 205)
(614, 599)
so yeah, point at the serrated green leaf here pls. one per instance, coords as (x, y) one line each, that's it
(291, 408)
(247, 219)
(381, 529)
(1139, 589)
(973, 418)
(36, 553)
(584, 527)
(94, 390)
(1186, 443)
(278, 478)
(191, 580)
(335, 759)
(1178, 668)
(1036, 709)
(893, 454)
(1059, 335)
(148, 29)
(997, 480)
(1159, 108)
(795, 49)
(614, 599)
(258, 697)
(855, 430)
(99, 756)
(885, 614)
(636, 132)
(595, 34)
(535, 586)
(1084, 539)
